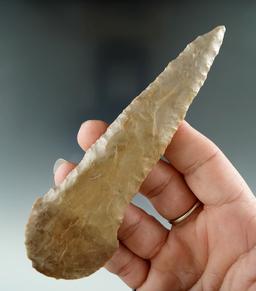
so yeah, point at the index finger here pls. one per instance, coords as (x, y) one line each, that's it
(207, 171)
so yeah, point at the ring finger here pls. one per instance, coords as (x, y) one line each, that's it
(167, 190)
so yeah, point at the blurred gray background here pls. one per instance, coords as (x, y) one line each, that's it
(65, 62)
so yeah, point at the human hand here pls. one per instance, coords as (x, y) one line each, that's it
(213, 248)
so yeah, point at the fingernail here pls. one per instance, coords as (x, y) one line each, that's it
(57, 164)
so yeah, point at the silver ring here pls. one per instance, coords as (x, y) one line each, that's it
(186, 214)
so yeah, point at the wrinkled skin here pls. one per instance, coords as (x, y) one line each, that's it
(214, 248)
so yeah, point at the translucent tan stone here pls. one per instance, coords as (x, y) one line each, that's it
(72, 229)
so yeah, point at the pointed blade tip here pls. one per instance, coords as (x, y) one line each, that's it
(220, 30)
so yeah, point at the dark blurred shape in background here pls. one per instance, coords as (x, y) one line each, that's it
(64, 62)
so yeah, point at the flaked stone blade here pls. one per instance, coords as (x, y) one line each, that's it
(72, 229)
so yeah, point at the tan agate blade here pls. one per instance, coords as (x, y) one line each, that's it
(72, 230)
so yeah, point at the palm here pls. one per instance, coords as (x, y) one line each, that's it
(207, 251)
(199, 253)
